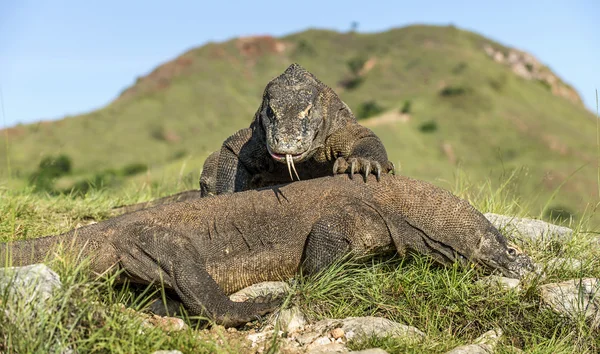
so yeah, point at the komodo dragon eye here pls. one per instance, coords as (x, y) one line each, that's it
(270, 112)
(512, 252)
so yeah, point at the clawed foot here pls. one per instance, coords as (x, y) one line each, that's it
(276, 299)
(249, 311)
(362, 166)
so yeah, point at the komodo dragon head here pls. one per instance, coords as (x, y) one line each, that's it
(293, 115)
(494, 252)
(449, 228)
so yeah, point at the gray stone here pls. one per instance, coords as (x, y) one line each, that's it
(369, 351)
(260, 337)
(502, 282)
(570, 264)
(268, 288)
(32, 284)
(530, 230)
(290, 320)
(326, 348)
(484, 344)
(369, 326)
(575, 297)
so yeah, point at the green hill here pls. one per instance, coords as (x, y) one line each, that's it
(442, 99)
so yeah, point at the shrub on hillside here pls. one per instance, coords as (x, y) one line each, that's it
(49, 169)
(406, 107)
(428, 127)
(134, 169)
(100, 180)
(450, 91)
(368, 109)
(356, 64)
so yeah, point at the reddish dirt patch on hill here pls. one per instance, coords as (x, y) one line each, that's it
(258, 46)
(160, 78)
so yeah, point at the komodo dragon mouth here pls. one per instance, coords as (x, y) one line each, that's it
(289, 160)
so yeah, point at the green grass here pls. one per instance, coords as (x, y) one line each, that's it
(445, 303)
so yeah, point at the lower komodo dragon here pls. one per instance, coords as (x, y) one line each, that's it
(209, 247)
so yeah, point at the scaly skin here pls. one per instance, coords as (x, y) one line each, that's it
(302, 130)
(207, 248)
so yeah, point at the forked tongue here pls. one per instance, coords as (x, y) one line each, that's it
(290, 166)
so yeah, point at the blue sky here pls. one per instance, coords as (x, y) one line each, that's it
(64, 57)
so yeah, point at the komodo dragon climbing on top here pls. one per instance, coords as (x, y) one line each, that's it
(209, 247)
(302, 126)
(301, 130)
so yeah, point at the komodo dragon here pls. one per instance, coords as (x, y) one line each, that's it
(301, 126)
(209, 247)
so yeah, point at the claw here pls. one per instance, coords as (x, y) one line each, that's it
(352, 166)
(377, 170)
(393, 171)
(336, 165)
(366, 169)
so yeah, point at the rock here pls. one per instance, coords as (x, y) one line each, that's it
(29, 288)
(369, 326)
(167, 352)
(574, 297)
(33, 284)
(530, 230)
(167, 324)
(331, 335)
(267, 288)
(329, 348)
(337, 333)
(259, 337)
(369, 351)
(290, 320)
(502, 282)
(570, 264)
(484, 344)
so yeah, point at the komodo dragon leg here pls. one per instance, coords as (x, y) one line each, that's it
(232, 172)
(358, 150)
(208, 177)
(160, 255)
(336, 234)
(356, 228)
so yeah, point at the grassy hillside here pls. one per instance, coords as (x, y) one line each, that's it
(464, 111)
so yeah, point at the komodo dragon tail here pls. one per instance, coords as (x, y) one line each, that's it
(38, 250)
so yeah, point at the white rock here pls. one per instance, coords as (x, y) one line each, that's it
(502, 282)
(290, 320)
(32, 284)
(268, 288)
(369, 326)
(574, 297)
(531, 230)
(571, 264)
(369, 351)
(484, 344)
